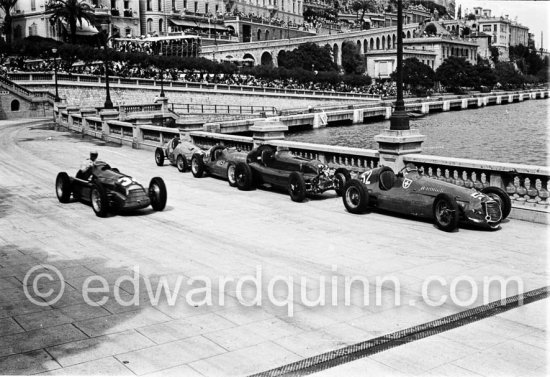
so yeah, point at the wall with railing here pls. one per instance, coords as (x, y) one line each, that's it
(527, 185)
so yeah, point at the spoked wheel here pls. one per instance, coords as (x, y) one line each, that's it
(446, 213)
(63, 187)
(99, 200)
(231, 175)
(243, 176)
(355, 196)
(181, 163)
(296, 187)
(501, 197)
(341, 177)
(159, 156)
(197, 165)
(157, 194)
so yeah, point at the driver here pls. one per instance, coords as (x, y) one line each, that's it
(87, 165)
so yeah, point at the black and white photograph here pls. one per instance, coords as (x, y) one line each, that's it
(265, 188)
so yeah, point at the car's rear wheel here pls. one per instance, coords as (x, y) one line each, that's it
(244, 177)
(181, 163)
(355, 196)
(157, 194)
(341, 177)
(197, 166)
(231, 175)
(63, 187)
(501, 197)
(296, 187)
(446, 213)
(159, 156)
(99, 200)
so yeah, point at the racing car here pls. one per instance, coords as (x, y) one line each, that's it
(178, 152)
(412, 193)
(107, 189)
(219, 161)
(281, 169)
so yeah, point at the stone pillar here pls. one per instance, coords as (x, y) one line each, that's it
(106, 115)
(425, 109)
(464, 104)
(446, 105)
(520, 97)
(267, 130)
(499, 100)
(510, 98)
(137, 137)
(164, 102)
(358, 116)
(393, 145)
(60, 108)
(388, 113)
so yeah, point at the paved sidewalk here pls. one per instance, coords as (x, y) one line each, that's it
(210, 230)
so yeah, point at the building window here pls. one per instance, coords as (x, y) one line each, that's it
(160, 25)
(128, 32)
(33, 29)
(149, 25)
(15, 105)
(217, 8)
(206, 8)
(33, 4)
(159, 5)
(126, 4)
(113, 4)
(184, 4)
(495, 27)
(196, 6)
(149, 5)
(173, 4)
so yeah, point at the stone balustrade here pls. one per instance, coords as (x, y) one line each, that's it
(527, 185)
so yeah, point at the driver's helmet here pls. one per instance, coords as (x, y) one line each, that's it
(93, 155)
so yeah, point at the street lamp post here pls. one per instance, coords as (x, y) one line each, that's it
(54, 51)
(108, 103)
(162, 83)
(399, 119)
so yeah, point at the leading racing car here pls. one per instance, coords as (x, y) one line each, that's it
(411, 193)
(107, 189)
(283, 170)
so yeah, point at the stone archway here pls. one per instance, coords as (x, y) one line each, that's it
(250, 56)
(259, 35)
(394, 41)
(365, 45)
(371, 44)
(266, 59)
(389, 41)
(336, 53)
(408, 33)
(359, 47)
(377, 43)
(383, 42)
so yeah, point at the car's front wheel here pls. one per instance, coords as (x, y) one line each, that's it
(99, 200)
(231, 175)
(157, 194)
(355, 196)
(181, 163)
(63, 187)
(197, 165)
(296, 187)
(446, 213)
(243, 176)
(501, 197)
(159, 156)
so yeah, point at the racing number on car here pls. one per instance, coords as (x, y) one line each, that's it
(366, 177)
(477, 195)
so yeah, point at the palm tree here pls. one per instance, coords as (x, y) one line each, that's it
(72, 11)
(7, 6)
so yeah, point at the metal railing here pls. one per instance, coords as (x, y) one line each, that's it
(194, 108)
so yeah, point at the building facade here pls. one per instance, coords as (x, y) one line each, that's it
(444, 47)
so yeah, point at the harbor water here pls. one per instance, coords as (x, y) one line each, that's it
(512, 133)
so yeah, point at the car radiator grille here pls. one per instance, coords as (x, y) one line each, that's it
(136, 196)
(493, 211)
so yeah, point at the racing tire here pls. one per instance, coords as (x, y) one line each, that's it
(181, 163)
(296, 187)
(63, 187)
(159, 156)
(215, 150)
(243, 177)
(446, 213)
(341, 177)
(502, 198)
(231, 175)
(99, 200)
(197, 165)
(157, 194)
(355, 196)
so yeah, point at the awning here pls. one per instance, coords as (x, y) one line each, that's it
(84, 28)
(198, 24)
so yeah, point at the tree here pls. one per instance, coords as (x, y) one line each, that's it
(416, 75)
(364, 6)
(73, 12)
(431, 29)
(352, 61)
(466, 31)
(507, 75)
(308, 56)
(6, 6)
(494, 54)
(471, 17)
(485, 76)
(456, 73)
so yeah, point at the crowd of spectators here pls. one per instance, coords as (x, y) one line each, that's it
(121, 69)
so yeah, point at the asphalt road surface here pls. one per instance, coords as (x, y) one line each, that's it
(270, 250)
